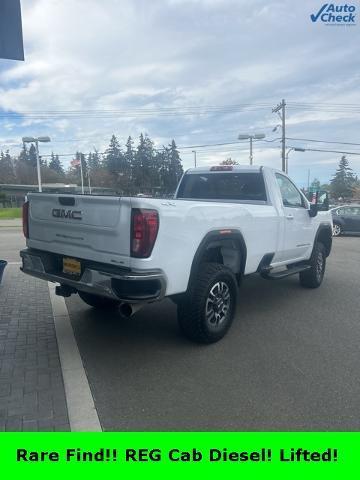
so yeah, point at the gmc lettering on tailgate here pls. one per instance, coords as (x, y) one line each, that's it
(71, 214)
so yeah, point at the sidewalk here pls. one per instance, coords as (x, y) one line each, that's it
(14, 222)
(32, 396)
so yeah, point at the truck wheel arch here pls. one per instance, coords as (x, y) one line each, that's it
(324, 235)
(232, 245)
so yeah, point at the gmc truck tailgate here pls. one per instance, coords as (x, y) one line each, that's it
(98, 227)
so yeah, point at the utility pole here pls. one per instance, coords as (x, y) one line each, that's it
(281, 108)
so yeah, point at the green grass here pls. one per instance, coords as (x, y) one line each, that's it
(8, 213)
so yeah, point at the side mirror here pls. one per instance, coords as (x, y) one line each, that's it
(322, 201)
(313, 211)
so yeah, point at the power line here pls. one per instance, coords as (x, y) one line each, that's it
(176, 111)
(321, 141)
(327, 151)
(211, 145)
(327, 104)
(142, 112)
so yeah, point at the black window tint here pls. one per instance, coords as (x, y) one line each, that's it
(223, 186)
(290, 195)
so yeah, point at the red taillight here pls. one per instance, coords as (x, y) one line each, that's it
(144, 229)
(25, 219)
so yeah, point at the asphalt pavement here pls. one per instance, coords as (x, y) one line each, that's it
(290, 362)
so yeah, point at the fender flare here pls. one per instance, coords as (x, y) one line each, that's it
(214, 235)
(326, 228)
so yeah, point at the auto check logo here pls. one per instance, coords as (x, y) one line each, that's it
(332, 14)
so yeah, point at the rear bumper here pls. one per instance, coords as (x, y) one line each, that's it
(99, 279)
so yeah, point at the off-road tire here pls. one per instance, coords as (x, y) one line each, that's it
(212, 293)
(313, 277)
(98, 302)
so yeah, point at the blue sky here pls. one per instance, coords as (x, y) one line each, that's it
(186, 54)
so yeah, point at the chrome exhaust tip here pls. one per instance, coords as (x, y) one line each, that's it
(128, 309)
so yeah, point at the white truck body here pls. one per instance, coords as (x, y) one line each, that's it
(103, 234)
(96, 231)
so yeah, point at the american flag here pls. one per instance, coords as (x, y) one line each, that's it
(75, 162)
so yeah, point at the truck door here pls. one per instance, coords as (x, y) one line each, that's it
(298, 225)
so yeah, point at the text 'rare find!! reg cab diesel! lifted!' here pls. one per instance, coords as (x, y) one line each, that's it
(224, 222)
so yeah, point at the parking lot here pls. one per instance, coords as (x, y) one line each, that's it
(290, 362)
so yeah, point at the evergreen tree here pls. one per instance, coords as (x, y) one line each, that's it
(31, 157)
(175, 167)
(149, 170)
(163, 166)
(55, 164)
(94, 160)
(137, 173)
(129, 154)
(343, 181)
(114, 157)
(315, 185)
(7, 173)
(169, 168)
(23, 154)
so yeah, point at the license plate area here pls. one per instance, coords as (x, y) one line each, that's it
(71, 266)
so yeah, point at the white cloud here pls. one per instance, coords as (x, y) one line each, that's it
(87, 54)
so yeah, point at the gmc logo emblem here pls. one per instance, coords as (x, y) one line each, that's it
(62, 213)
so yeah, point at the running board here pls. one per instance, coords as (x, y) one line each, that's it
(284, 273)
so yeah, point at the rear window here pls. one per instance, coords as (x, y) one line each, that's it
(223, 186)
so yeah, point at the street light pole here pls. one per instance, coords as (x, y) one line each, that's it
(251, 150)
(38, 166)
(194, 152)
(295, 149)
(246, 136)
(287, 160)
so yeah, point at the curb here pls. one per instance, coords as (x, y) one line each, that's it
(82, 412)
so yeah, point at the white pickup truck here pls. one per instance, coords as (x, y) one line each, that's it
(224, 222)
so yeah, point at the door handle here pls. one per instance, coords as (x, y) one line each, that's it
(290, 216)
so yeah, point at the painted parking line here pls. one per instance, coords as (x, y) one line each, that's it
(83, 416)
